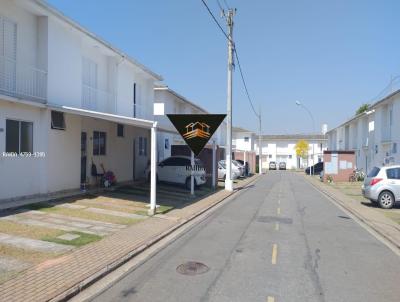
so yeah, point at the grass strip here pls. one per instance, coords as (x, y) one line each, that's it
(83, 239)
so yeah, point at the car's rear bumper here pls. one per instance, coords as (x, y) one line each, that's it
(369, 194)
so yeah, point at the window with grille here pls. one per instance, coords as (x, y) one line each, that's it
(57, 120)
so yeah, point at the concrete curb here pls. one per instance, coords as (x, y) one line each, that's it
(74, 290)
(359, 216)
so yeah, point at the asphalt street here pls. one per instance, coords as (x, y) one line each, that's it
(279, 240)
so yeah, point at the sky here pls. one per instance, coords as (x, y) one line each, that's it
(332, 56)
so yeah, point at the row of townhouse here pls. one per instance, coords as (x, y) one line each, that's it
(280, 148)
(373, 135)
(70, 100)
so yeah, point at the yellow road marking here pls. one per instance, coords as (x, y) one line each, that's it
(270, 299)
(278, 211)
(277, 226)
(274, 253)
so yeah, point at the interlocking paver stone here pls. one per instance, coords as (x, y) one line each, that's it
(8, 264)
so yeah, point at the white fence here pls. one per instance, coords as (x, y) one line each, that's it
(22, 81)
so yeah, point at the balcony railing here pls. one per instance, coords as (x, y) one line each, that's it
(98, 100)
(22, 81)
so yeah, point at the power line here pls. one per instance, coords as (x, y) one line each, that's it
(244, 83)
(236, 55)
(215, 20)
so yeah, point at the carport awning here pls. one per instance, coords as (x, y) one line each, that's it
(104, 116)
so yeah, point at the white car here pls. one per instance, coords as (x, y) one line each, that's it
(177, 169)
(241, 167)
(382, 186)
(236, 171)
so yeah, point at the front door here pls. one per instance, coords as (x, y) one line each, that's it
(83, 156)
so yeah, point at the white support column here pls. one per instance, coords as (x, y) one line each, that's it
(153, 170)
(214, 159)
(191, 173)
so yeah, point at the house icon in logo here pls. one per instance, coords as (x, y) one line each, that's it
(197, 129)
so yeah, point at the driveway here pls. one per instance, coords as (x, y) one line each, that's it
(40, 232)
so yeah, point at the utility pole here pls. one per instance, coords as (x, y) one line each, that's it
(259, 145)
(228, 162)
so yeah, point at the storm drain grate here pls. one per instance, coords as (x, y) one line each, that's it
(192, 268)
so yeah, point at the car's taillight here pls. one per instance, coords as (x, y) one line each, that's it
(374, 181)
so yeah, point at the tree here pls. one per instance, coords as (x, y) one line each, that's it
(302, 148)
(362, 108)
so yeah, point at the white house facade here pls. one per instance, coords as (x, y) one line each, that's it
(373, 135)
(67, 99)
(242, 139)
(174, 103)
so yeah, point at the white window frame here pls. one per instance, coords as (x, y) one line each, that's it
(19, 134)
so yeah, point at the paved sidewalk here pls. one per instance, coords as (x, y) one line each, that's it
(56, 278)
(376, 220)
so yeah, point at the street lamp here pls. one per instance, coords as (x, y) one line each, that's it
(298, 103)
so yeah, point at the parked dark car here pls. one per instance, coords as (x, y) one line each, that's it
(282, 165)
(316, 169)
(272, 165)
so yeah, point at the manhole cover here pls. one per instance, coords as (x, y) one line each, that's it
(192, 268)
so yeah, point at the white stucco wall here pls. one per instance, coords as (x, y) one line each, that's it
(373, 147)
(22, 176)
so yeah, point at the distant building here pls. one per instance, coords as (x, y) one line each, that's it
(280, 148)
